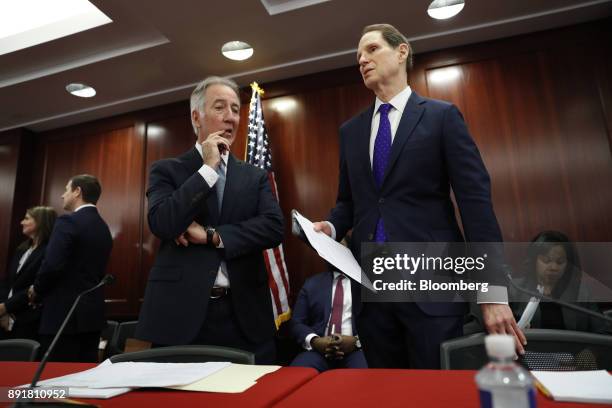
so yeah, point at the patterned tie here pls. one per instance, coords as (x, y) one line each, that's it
(220, 184)
(335, 321)
(380, 160)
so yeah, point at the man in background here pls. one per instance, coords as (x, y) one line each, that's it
(75, 260)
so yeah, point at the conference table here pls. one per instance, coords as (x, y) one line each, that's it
(294, 387)
(383, 388)
(269, 389)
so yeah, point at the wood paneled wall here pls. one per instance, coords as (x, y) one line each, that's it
(539, 107)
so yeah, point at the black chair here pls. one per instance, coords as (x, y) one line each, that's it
(18, 350)
(552, 350)
(125, 331)
(187, 354)
(106, 339)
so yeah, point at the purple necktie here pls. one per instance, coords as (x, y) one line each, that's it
(335, 321)
(380, 159)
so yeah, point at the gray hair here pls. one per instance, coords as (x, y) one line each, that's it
(197, 100)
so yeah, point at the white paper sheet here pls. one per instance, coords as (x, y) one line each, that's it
(577, 386)
(133, 375)
(333, 252)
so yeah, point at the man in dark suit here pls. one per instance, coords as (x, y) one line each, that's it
(214, 215)
(323, 324)
(398, 162)
(75, 260)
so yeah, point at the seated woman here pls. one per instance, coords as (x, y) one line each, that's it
(17, 318)
(553, 268)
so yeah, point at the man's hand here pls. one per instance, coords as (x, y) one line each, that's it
(195, 234)
(211, 148)
(498, 319)
(4, 322)
(323, 345)
(345, 344)
(322, 226)
(2, 309)
(31, 296)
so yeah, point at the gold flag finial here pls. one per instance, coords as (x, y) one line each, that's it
(255, 87)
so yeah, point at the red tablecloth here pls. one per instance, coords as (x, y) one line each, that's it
(269, 389)
(378, 388)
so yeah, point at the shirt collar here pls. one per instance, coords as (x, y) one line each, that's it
(83, 206)
(224, 156)
(398, 102)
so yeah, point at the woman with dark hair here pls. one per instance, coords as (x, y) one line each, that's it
(17, 318)
(553, 268)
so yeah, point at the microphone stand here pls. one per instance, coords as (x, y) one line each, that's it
(563, 303)
(107, 279)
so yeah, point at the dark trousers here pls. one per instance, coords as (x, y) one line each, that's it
(314, 359)
(401, 335)
(78, 347)
(221, 328)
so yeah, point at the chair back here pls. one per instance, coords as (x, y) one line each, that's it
(18, 350)
(187, 354)
(552, 350)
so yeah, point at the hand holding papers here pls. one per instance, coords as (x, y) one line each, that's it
(333, 252)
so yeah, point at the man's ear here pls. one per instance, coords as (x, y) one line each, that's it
(78, 192)
(195, 117)
(403, 52)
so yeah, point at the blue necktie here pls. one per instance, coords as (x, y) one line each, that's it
(220, 184)
(380, 159)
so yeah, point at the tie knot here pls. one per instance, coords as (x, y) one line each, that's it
(384, 108)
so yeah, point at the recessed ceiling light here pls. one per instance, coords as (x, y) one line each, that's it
(237, 50)
(25, 23)
(443, 9)
(81, 90)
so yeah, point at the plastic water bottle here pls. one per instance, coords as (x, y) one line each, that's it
(503, 383)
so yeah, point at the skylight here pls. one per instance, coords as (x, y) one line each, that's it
(25, 23)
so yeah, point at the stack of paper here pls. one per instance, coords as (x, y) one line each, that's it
(576, 386)
(108, 380)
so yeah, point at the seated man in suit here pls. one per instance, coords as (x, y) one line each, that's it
(75, 260)
(214, 215)
(325, 327)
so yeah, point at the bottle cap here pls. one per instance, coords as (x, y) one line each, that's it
(499, 346)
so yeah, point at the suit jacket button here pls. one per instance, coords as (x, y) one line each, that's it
(381, 200)
(370, 237)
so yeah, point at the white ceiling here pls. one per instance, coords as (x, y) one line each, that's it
(156, 50)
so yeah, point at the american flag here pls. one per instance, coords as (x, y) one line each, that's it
(258, 154)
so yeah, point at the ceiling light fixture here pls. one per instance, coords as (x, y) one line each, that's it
(25, 23)
(237, 50)
(81, 90)
(443, 9)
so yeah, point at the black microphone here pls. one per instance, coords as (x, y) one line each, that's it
(560, 302)
(106, 280)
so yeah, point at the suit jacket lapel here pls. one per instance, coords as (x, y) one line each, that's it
(363, 144)
(410, 118)
(233, 183)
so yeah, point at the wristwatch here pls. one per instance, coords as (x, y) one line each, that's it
(357, 343)
(210, 233)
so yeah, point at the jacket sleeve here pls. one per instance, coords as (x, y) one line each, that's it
(264, 230)
(299, 318)
(172, 207)
(341, 215)
(57, 255)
